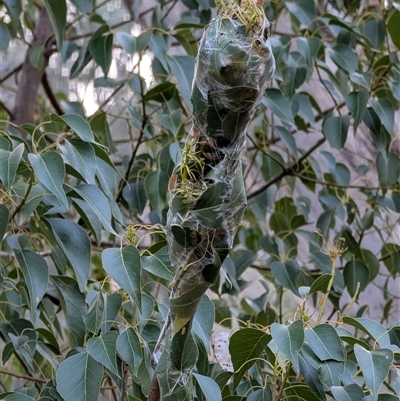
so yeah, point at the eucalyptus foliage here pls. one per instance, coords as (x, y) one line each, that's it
(309, 292)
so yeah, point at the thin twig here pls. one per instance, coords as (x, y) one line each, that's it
(19, 376)
(49, 92)
(12, 72)
(287, 171)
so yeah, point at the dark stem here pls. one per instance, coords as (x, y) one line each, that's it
(49, 92)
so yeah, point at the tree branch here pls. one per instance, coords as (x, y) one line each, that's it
(287, 171)
(25, 100)
(50, 94)
(18, 376)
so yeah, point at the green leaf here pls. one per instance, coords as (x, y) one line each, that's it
(112, 304)
(351, 392)
(391, 257)
(49, 168)
(123, 265)
(104, 349)
(286, 274)
(356, 102)
(158, 264)
(36, 275)
(335, 130)
(363, 79)
(310, 374)
(325, 342)
(320, 284)
(208, 387)
(344, 57)
(57, 11)
(376, 330)
(79, 378)
(383, 107)
(85, 6)
(289, 339)
(375, 366)
(156, 184)
(287, 139)
(303, 10)
(279, 105)
(100, 49)
(78, 124)
(158, 46)
(81, 157)
(160, 93)
(388, 166)
(183, 69)
(246, 346)
(94, 316)
(75, 243)
(73, 305)
(5, 37)
(135, 195)
(300, 392)
(355, 272)
(98, 202)
(264, 394)
(129, 347)
(203, 321)
(393, 23)
(126, 41)
(4, 217)
(9, 162)
(330, 373)
(16, 396)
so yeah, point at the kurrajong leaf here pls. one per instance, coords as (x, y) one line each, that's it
(123, 265)
(79, 378)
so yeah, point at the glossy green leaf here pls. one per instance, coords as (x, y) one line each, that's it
(388, 167)
(89, 217)
(81, 157)
(129, 347)
(75, 243)
(9, 165)
(356, 102)
(264, 394)
(364, 79)
(286, 274)
(79, 378)
(325, 342)
(310, 375)
(100, 49)
(320, 284)
(289, 339)
(97, 201)
(123, 265)
(158, 264)
(330, 372)
(93, 318)
(112, 304)
(126, 41)
(73, 304)
(393, 24)
(384, 109)
(245, 347)
(85, 6)
(183, 69)
(391, 256)
(203, 321)
(375, 366)
(287, 139)
(208, 387)
(161, 93)
(300, 392)
(104, 349)
(4, 216)
(279, 105)
(344, 57)
(351, 392)
(36, 275)
(156, 184)
(57, 11)
(50, 170)
(355, 272)
(78, 124)
(135, 195)
(303, 10)
(335, 130)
